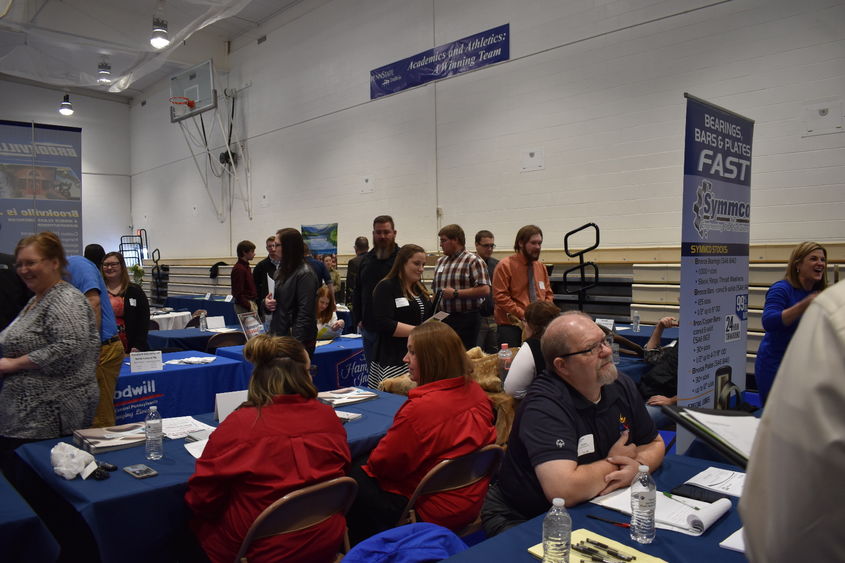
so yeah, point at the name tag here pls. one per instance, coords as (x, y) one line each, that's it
(402, 302)
(542, 285)
(132, 302)
(586, 445)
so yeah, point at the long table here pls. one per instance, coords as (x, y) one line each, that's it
(217, 306)
(131, 520)
(641, 337)
(512, 545)
(186, 339)
(23, 536)
(340, 363)
(177, 390)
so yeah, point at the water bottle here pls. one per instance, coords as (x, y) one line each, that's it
(152, 426)
(635, 321)
(505, 357)
(204, 321)
(643, 501)
(557, 527)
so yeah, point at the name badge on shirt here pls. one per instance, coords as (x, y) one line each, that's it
(542, 285)
(132, 302)
(586, 445)
(402, 302)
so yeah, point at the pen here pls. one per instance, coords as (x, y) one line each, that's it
(600, 519)
(590, 554)
(669, 495)
(610, 550)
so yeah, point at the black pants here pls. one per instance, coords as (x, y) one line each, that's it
(510, 334)
(467, 326)
(496, 515)
(374, 510)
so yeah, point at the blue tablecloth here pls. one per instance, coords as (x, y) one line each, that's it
(186, 338)
(141, 520)
(339, 364)
(512, 546)
(216, 306)
(178, 389)
(23, 536)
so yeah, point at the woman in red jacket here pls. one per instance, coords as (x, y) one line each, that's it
(447, 415)
(279, 440)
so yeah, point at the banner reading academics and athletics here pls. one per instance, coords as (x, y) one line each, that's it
(40, 183)
(321, 239)
(469, 53)
(714, 251)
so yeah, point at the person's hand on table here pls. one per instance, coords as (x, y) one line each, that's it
(622, 477)
(270, 303)
(621, 448)
(658, 400)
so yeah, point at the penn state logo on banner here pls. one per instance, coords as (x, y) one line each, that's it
(352, 370)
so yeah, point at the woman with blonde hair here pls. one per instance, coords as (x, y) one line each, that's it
(447, 415)
(279, 440)
(786, 301)
(400, 302)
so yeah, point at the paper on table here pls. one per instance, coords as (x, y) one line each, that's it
(734, 542)
(739, 431)
(350, 335)
(580, 536)
(215, 322)
(180, 426)
(196, 448)
(670, 514)
(192, 360)
(345, 396)
(720, 480)
(222, 330)
(322, 343)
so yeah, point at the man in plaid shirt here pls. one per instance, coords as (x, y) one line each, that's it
(464, 280)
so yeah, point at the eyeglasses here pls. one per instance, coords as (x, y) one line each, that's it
(490, 246)
(606, 341)
(28, 264)
(111, 265)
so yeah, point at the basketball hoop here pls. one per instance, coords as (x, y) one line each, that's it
(180, 105)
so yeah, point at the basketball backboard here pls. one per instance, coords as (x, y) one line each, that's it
(195, 84)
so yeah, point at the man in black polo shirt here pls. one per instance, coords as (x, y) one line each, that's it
(581, 431)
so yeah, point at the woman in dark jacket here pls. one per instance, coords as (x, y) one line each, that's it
(294, 302)
(400, 302)
(129, 302)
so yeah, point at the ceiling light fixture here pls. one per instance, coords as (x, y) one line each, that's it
(66, 108)
(159, 39)
(104, 71)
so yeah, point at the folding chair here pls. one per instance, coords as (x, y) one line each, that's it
(224, 339)
(302, 509)
(451, 474)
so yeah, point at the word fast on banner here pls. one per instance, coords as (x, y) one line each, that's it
(714, 251)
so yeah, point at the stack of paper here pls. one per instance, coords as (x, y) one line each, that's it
(720, 480)
(346, 396)
(679, 514)
(180, 426)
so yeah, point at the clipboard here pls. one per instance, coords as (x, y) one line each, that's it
(700, 431)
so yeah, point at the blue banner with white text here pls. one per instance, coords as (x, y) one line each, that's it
(716, 221)
(40, 183)
(470, 53)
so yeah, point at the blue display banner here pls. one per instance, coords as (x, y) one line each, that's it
(714, 259)
(40, 183)
(470, 53)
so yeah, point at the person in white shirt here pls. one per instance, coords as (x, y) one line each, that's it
(793, 501)
(529, 361)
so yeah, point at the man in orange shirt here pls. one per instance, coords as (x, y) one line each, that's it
(519, 279)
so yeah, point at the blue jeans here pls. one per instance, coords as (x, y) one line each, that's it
(661, 420)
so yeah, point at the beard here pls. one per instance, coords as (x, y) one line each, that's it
(529, 256)
(608, 374)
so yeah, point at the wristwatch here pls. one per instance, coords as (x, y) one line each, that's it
(454, 293)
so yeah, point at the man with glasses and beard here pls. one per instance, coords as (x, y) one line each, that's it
(373, 267)
(519, 280)
(582, 429)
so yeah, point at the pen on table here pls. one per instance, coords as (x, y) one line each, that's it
(590, 555)
(671, 496)
(610, 550)
(600, 519)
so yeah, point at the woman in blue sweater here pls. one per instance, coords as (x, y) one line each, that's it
(786, 301)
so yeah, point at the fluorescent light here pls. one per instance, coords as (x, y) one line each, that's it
(66, 108)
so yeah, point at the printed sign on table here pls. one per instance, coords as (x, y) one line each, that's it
(714, 251)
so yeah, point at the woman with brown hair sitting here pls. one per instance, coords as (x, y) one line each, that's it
(281, 439)
(447, 415)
